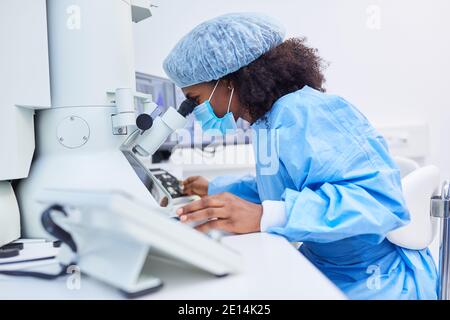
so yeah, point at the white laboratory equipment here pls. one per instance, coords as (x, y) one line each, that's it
(89, 142)
(24, 80)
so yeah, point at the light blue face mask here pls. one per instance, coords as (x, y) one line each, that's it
(204, 113)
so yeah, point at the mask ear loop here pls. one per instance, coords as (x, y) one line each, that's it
(229, 102)
(215, 87)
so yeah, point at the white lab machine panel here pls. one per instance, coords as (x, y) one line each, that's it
(90, 139)
(9, 214)
(95, 161)
(91, 50)
(116, 236)
(24, 81)
(92, 78)
(25, 86)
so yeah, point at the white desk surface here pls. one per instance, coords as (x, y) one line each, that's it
(273, 269)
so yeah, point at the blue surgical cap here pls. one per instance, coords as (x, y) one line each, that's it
(220, 46)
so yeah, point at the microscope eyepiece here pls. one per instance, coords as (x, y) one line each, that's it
(144, 121)
(186, 107)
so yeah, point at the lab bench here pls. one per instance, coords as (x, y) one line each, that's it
(272, 269)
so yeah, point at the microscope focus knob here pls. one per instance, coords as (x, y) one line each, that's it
(144, 121)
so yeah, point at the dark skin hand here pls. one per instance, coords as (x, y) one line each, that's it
(223, 211)
(195, 186)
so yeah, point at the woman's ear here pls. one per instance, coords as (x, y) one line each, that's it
(229, 84)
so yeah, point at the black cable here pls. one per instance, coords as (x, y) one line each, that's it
(186, 107)
(53, 229)
(33, 274)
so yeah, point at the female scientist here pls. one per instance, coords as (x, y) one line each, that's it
(332, 184)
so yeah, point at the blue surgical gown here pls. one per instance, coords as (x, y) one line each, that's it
(342, 195)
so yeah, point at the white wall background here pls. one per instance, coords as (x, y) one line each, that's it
(395, 74)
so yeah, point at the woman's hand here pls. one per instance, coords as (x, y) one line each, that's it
(195, 186)
(223, 211)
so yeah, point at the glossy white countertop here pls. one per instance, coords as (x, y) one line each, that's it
(273, 269)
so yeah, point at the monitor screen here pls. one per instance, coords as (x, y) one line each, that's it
(164, 92)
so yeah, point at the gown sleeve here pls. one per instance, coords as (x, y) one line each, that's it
(244, 187)
(335, 211)
(345, 183)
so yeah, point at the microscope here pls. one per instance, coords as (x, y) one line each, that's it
(85, 171)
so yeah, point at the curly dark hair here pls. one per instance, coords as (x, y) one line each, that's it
(282, 70)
